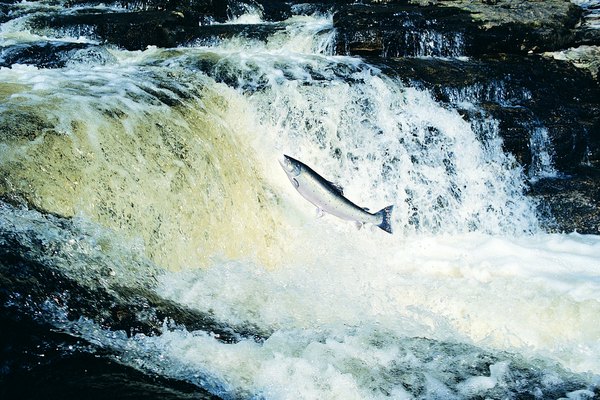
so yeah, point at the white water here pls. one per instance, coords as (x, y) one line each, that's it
(591, 12)
(346, 313)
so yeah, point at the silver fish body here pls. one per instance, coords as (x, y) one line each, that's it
(329, 197)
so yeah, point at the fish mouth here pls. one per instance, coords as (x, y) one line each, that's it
(290, 166)
(285, 163)
(282, 161)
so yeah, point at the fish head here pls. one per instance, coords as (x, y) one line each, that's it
(291, 167)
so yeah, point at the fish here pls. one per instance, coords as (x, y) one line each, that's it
(329, 197)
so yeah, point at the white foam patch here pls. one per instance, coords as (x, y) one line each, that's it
(538, 295)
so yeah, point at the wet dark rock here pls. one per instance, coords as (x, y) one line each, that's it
(138, 30)
(571, 202)
(275, 10)
(586, 36)
(4, 13)
(207, 10)
(520, 25)
(48, 54)
(64, 367)
(216, 9)
(521, 92)
(588, 31)
(400, 28)
(133, 31)
(584, 57)
(213, 33)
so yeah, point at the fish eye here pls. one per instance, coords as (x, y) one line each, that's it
(289, 165)
(286, 164)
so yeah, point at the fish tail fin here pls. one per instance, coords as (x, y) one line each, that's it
(386, 218)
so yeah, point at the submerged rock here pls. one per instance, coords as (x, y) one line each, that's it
(59, 296)
(60, 274)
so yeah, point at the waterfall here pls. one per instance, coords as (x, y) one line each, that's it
(144, 215)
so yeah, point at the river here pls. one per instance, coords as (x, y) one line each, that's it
(156, 172)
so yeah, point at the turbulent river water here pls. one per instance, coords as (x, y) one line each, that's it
(157, 171)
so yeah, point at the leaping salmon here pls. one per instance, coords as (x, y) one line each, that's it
(329, 197)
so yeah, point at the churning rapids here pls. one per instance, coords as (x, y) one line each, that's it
(146, 224)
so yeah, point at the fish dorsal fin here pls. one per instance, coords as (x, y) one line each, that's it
(366, 209)
(338, 188)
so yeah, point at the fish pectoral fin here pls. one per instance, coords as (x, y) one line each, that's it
(319, 212)
(338, 188)
(295, 183)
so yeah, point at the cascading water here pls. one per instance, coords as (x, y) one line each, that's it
(430, 43)
(156, 172)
